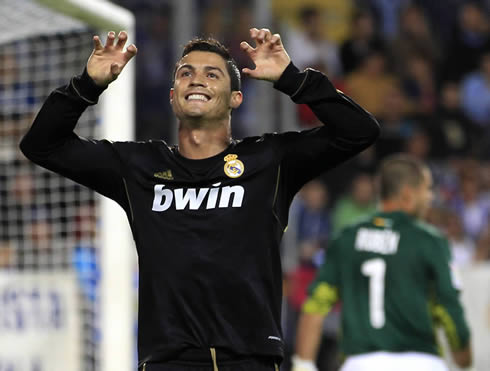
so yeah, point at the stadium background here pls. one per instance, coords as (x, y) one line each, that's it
(421, 67)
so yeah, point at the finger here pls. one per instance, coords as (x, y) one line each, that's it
(260, 36)
(251, 73)
(247, 71)
(130, 52)
(276, 39)
(97, 43)
(121, 40)
(253, 33)
(267, 34)
(111, 36)
(246, 47)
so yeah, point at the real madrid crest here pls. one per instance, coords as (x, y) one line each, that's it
(233, 167)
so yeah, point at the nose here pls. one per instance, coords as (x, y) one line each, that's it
(198, 80)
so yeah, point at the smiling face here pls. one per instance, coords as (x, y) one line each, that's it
(202, 88)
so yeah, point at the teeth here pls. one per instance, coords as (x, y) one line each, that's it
(197, 97)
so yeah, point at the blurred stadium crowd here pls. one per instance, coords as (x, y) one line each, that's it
(421, 67)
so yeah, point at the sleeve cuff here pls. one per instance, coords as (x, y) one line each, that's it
(290, 81)
(86, 88)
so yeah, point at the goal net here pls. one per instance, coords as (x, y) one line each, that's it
(52, 237)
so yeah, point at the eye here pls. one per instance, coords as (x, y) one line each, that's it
(185, 73)
(212, 75)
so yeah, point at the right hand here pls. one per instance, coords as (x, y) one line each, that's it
(106, 62)
(299, 364)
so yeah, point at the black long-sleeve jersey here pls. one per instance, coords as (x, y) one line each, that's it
(207, 231)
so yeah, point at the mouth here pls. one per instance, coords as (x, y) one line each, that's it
(200, 97)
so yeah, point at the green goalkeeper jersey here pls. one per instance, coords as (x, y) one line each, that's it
(392, 274)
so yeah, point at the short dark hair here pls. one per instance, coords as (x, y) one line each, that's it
(214, 46)
(399, 170)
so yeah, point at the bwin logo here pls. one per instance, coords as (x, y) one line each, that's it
(194, 199)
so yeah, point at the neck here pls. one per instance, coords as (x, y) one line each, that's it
(389, 206)
(199, 142)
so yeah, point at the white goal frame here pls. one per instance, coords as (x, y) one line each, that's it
(118, 255)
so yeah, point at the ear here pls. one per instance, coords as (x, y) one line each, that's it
(407, 197)
(171, 95)
(236, 99)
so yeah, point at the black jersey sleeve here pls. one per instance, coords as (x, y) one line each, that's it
(52, 144)
(348, 129)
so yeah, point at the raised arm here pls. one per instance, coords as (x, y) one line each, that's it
(348, 128)
(51, 142)
(332, 107)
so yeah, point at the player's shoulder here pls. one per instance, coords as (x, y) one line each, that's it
(141, 150)
(257, 144)
(364, 221)
(279, 141)
(432, 240)
(263, 138)
(140, 145)
(431, 231)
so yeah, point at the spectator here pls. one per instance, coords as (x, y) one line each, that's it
(461, 245)
(418, 144)
(397, 124)
(452, 133)
(471, 205)
(371, 83)
(358, 203)
(85, 262)
(6, 255)
(414, 38)
(42, 250)
(388, 14)
(245, 116)
(475, 93)
(85, 257)
(313, 219)
(419, 84)
(312, 232)
(308, 45)
(470, 41)
(154, 71)
(335, 15)
(17, 96)
(443, 16)
(363, 40)
(18, 206)
(483, 246)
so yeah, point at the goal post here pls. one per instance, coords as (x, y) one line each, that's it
(47, 273)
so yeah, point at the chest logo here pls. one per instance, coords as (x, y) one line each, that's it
(234, 168)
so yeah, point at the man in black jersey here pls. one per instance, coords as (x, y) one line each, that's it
(207, 215)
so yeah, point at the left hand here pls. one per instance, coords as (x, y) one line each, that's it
(269, 56)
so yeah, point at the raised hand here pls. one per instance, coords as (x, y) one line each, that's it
(269, 56)
(106, 62)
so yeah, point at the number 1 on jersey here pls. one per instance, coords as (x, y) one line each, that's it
(375, 269)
